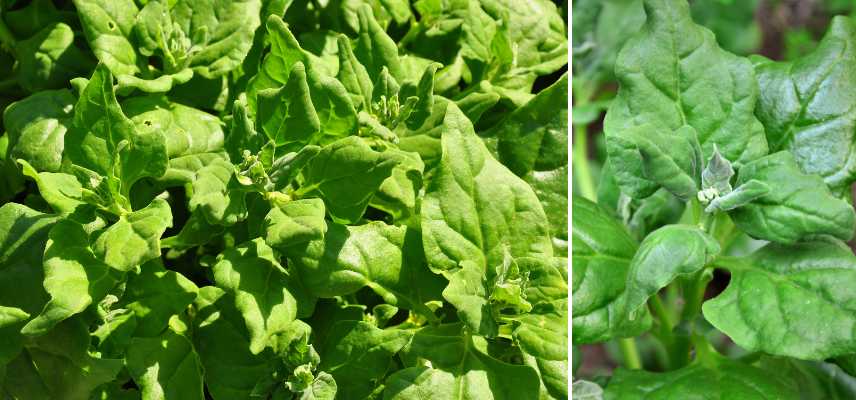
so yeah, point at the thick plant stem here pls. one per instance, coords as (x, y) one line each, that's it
(582, 173)
(629, 353)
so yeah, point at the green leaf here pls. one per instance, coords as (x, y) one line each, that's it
(107, 25)
(191, 135)
(61, 191)
(104, 140)
(543, 332)
(59, 365)
(74, 277)
(475, 215)
(806, 106)
(461, 368)
(665, 254)
(135, 238)
(228, 28)
(295, 222)
(11, 321)
(354, 76)
(398, 195)
(217, 194)
(262, 291)
(374, 48)
(23, 235)
(286, 115)
(744, 194)
(551, 188)
(796, 207)
(49, 59)
(554, 377)
(644, 159)
(346, 174)
(778, 282)
(357, 354)
(223, 343)
(535, 136)
(602, 250)
(725, 379)
(165, 367)
(388, 259)
(36, 126)
(693, 82)
(155, 294)
(286, 168)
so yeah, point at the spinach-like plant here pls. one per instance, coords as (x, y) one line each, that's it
(247, 199)
(718, 165)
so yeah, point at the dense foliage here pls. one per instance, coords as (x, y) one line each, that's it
(721, 169)
(280, 199)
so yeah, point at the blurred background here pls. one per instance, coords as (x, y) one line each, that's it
(776, 29)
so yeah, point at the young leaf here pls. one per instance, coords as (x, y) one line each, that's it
(796, 207)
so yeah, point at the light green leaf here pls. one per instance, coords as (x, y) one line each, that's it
(374, 48)
(543, 332)
(398, 194)
(602, 249)
(74, 277)
(217, 194)
(461, 368)
(796, 207)
(295, 222)
(346, 174)
(354, 76)
(357, 354)
(165, 367)
(155, 294)
(772, 285)
(104, 140)
(223, 343)
(286, 115)
(385, 258)
(135, 238)
(61, 191)
(191, 135)
(551, 188)
(36, 126)
(11, 321)
(107, 25)
(261, 289)
(744, 194)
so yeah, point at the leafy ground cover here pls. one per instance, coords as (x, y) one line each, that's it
(711, 218)
(283, 199)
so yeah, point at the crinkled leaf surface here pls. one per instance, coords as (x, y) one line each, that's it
(807, 106)
(694, 83)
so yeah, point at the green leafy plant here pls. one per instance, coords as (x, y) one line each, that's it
(283, 199)
(755, 156)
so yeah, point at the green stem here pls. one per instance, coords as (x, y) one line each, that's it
(629, 353)
(581, 164)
